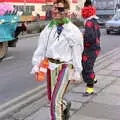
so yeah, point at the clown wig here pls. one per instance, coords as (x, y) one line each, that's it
(88, 11)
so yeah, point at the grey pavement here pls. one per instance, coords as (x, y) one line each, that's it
(104, 105)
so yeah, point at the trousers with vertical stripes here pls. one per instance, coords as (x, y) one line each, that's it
(57, 81)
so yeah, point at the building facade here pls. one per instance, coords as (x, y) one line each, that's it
(34, 7)
(106, 8)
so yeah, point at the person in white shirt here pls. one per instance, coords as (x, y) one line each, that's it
(62, 43)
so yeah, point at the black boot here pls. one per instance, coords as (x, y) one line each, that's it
(66, 112)
(95, 81)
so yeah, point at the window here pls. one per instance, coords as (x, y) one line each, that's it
(104, 4)
(46, 7)
(27, 10)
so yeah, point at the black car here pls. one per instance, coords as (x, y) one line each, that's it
(101, 22)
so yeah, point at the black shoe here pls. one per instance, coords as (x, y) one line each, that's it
(66, 112)
(87, 94)
(95, 81)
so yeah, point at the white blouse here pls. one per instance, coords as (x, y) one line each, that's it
(67, 47)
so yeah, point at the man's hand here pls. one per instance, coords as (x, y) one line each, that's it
(35, 69)
(74, 76)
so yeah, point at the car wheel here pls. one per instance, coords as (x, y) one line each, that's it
(3, 49)
(108, 32)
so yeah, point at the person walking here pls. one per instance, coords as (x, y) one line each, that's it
(91, 46)
(61, 42)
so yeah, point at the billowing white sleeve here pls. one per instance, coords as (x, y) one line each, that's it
(77, 50)
(39, 53)
(75, 38)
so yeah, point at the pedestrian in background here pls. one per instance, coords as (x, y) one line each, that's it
(48, 14)
(61, 42)
(91, 46)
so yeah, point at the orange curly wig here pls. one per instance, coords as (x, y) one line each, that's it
(88, 11)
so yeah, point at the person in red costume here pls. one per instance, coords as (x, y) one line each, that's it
(91, 46)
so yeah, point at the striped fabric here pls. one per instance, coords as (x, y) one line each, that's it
(59, 83)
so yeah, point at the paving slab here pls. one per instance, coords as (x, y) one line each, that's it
(79, 89)
(77, 97)
(105, 81)
(117, 82)
(9, 119)
(99, 111)
(75, 105)
(115, 66)
(42, 114)
(114, 89)
(81, 117)
(30, 109)
(105, 72)
(107, 98)
(116, 73)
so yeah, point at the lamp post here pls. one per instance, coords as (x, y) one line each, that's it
(24, 6)
(115, 3)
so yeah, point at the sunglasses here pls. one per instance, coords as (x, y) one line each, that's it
(60, 9)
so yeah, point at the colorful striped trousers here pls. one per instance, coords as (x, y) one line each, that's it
(57, 81)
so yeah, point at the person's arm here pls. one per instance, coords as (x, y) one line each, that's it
(77, 50)
(75, 38)
(39, 53)
(90, 33)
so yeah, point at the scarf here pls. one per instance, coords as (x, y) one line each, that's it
(59, 22)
